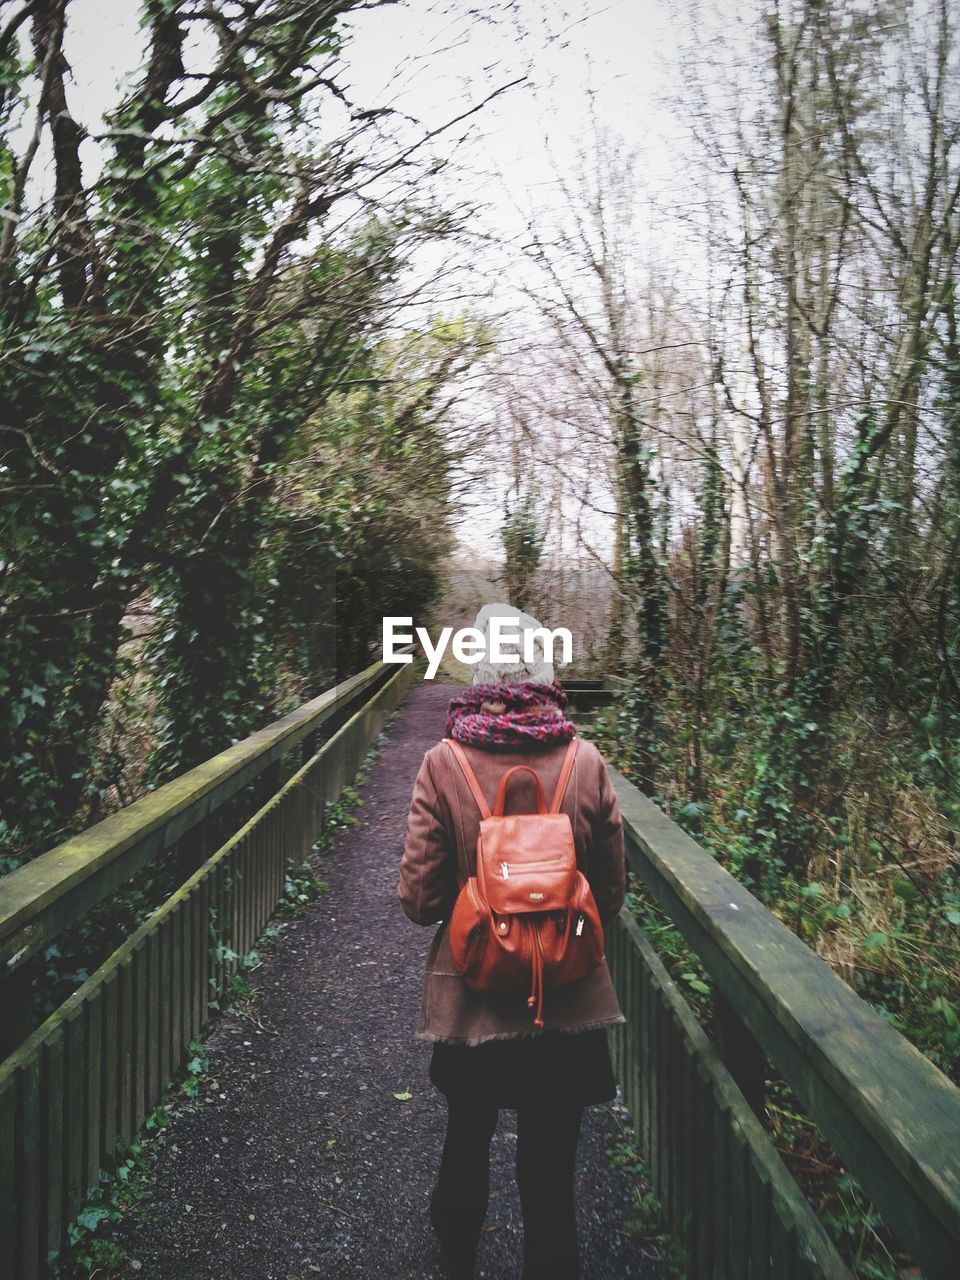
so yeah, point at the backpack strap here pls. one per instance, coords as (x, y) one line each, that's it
(470, 776)
(565, 770)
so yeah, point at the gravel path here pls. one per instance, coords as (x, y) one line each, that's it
(300, 1162)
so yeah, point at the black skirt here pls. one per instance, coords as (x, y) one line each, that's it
(547, 1070)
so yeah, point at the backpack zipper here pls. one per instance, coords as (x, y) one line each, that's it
(524, 868)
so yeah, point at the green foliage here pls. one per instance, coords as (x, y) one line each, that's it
(646, 1222)
(301, 885)
(801, 718)
(205, 427)
(195, 1069)
(642, 579)
(89, 1252)
(624, 1155)
(522, 536)
(681, 963)
(304, 883)
(851, 1220)
(238, 984)
(814, 753)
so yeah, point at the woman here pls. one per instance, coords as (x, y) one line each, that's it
(486, 1054)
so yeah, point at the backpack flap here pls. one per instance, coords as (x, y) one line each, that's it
(527, 862)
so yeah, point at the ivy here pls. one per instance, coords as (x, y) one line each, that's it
(215, 463)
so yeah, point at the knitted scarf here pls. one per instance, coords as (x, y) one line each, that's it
(533, 714)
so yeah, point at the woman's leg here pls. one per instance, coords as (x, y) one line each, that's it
(546, 1162)
(459, 1202)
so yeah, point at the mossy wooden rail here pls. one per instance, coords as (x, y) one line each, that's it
(891, 1116)
(43, 898)
(86, 1078)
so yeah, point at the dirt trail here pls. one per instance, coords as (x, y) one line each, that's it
(302, 1162)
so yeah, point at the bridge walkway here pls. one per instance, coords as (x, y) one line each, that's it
(298, 1160)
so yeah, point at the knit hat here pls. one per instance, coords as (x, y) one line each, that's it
(512, 629)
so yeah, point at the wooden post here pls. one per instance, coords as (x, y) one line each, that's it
(308, 748)
(741, 1054)
(16, 1006)
(192, 850)
(268, 784)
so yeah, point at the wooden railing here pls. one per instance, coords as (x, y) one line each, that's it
(49, 895)
(891, 1116)
(85, 1079)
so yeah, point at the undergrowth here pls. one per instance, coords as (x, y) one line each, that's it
(879, 901)
(646, 1224)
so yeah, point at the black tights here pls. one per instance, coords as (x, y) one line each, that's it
(546, 1160)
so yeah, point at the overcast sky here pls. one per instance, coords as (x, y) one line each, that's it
(433, 58)
(615, 62)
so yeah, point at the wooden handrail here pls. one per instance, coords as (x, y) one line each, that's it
(40, 899)
(891, 1115)
(79, 1086)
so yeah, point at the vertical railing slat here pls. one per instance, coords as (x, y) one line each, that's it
(29, 1169)
(165, 1011)
(741, 1209)
(203, 953)
(703, 1197)
(140, 987)
(127, 1044)
(9, 1192)
(51, 1143)
(178, 1029)
(690, 1154)
(75, 1067)
(630, 1042)
(255, 893)
(653, 1027)
(644, 1102)
(111, 1055)
(93, 1089)
(720, 1164)
(664, 1147)
(760, 1195)
(250, 892)
(217, 940)
(241, 859)
(675, 1101)
(151, 1020)
(783, 1249)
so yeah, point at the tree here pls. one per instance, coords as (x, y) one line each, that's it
(522, 539)
(168, 329)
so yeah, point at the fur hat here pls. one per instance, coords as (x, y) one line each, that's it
(520, 672)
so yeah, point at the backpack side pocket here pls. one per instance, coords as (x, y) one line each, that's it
(469, 930)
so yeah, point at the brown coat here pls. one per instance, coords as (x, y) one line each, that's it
(442, 830)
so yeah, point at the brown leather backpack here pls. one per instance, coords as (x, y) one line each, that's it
(528, 913)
